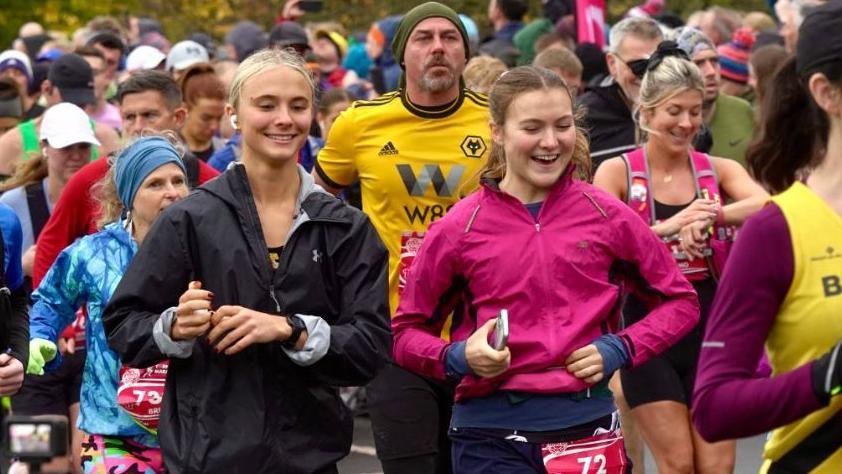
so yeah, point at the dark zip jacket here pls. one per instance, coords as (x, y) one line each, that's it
(257, 411)
(608, 120)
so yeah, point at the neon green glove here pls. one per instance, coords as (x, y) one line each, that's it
(41, 351)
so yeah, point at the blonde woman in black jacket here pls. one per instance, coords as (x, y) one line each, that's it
(266, 292)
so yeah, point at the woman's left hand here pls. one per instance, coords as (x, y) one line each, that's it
(235, 328)
(586, 363)
(693, 238)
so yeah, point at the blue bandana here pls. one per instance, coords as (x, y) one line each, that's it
(138, 161)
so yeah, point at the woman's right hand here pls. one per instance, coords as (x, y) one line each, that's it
(482, 358)
(698, 210)
(193, 315)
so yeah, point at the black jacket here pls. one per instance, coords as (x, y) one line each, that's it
(608, 120)
(257, 411)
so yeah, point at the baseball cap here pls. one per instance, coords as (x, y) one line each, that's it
(144, 57)
(66, 124)
(288, 33)
(185, 54)
(819, 38)
(13, 59)
(74, 78)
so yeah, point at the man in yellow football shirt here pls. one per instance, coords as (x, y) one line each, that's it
(416, 151)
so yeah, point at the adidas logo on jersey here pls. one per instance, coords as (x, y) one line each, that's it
(388, 150)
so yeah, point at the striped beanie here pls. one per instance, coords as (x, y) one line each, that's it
(734, 55)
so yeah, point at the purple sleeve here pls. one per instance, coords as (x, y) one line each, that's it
(729, 401)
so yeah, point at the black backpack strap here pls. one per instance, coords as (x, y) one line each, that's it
(191, 162)
(813, 450)
(39, 210)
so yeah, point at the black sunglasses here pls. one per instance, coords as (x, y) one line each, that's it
(638, 66)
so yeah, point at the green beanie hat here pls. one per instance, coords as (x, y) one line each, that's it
(419, 14)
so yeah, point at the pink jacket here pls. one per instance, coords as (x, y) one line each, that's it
(562, 281)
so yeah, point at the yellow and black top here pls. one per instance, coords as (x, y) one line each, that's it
(413, 163)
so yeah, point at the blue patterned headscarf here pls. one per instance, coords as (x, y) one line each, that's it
(138, 161)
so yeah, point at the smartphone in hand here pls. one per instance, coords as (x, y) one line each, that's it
(311, 6)
(501, 330)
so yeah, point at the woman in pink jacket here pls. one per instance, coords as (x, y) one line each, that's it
(556, 253)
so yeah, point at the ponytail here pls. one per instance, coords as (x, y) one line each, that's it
(793, 132)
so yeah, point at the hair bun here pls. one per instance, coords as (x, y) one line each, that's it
(665, 50)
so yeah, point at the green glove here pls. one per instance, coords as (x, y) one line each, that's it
(41, 351)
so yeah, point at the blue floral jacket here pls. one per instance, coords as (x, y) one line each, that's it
(88, 272)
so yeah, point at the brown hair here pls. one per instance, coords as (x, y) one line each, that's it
(793, 134)
(334, 96)
(509, 87)
(765, 61)
(559, 58)
(200, 81)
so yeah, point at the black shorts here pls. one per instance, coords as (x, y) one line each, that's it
(410, 414)
(53, 392)
(671, 375)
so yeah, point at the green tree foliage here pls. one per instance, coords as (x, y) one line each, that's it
(182, 17)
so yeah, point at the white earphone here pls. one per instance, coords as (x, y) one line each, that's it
(234, 121)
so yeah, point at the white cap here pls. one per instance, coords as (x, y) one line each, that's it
(144, 57)
(65, 124)
(185, 54)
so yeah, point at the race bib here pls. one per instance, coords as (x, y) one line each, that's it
(141, 392)
(410, 244)
(599, 454)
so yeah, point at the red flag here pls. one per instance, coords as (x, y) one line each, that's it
(590, 18)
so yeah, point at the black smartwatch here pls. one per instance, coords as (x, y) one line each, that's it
(298, 327)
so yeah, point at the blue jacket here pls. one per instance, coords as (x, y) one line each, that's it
(89, 271)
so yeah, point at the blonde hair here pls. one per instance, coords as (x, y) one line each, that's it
(509, 87)
(481, 72)
(29, 171)
(672, 77)
(105, 190)
(264, 60)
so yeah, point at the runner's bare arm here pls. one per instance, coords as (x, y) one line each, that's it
(736, 183)
(611, 176)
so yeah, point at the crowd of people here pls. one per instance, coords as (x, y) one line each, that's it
(529, 252)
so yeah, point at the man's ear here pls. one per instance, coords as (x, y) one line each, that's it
(180, 115)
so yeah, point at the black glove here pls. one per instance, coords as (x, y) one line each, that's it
(827, 374)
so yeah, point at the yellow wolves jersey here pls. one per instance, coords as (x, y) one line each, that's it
(413, 164)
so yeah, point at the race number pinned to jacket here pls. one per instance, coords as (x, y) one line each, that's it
(141, 392)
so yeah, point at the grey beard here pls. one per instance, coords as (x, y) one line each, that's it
(438, 84)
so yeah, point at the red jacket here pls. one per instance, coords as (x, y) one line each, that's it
(561, 280)
(74, 215)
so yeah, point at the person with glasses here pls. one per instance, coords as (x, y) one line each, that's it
(610, 104)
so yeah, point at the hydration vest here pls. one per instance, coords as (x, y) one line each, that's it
(640, 199)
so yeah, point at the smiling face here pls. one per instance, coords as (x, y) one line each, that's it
(274, 114)
(675, 123)
(538, 138)
(631, 49)
(434, 57)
